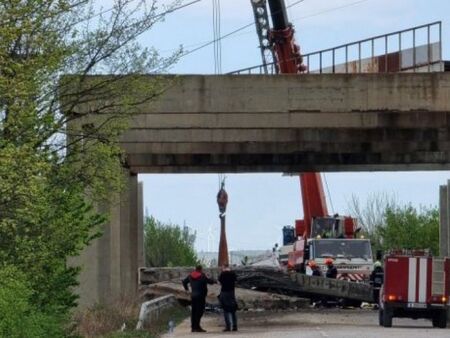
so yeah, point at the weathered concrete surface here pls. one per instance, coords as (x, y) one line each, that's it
(110, 264)
(444, 226)
(444, 220)
(325, 122)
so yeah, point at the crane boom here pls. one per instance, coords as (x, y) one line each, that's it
(318, 235)
(287, 52)
(290, 61)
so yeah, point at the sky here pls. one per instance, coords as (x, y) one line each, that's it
(261, 204)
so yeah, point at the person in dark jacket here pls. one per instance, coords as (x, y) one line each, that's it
(376, 280)
(199, 289)
(317, 272)
(227, 297)
(315, 269)
(330, 273)
(331, 270)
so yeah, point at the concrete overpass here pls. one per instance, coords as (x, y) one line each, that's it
(333, 122)
(290, 123)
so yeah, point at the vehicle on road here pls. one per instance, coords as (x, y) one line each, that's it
(416, 285)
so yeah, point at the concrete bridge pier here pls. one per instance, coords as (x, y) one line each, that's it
(444, 223)
(110, 264)
(444, 228)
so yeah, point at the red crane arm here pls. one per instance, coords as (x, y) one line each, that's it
(289, 61)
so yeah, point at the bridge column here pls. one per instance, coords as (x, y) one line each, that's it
(444, 223)
(110, 264)
(444, 220)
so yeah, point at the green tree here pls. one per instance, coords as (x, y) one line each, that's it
(408, 228)
(390, 225)
(18, 316)
(168, 244)
(57, 163)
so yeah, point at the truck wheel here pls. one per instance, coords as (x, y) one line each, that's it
(387, 317)
(440, 319)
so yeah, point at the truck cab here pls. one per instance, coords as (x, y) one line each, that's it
(333, 237)
(352, 257)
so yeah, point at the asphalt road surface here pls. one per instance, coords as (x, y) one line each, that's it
(313, 323)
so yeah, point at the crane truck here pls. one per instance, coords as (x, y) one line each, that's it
(318, 236)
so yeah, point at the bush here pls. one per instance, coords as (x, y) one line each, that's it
(168, 245)
(18, 317)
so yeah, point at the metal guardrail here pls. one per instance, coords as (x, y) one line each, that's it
(151, 310)
(414, 49)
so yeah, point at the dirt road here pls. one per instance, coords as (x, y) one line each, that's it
(313, 323)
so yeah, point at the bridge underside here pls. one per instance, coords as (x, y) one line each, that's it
(362, 122)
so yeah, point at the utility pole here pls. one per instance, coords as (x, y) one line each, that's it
(222, 200)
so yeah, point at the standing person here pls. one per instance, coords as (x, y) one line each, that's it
(227, 297)
(376, 280)
(330, 273)
(331, 270)
(315, 269)
(199, 289)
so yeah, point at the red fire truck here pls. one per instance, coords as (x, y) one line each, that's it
(416, 285)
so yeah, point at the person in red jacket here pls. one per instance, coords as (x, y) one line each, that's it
(199, 289)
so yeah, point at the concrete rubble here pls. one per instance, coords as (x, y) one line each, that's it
(247, 299)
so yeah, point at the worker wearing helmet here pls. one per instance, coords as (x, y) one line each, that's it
(315, 269)
(331, 269)
(315, 301)
(376, 280)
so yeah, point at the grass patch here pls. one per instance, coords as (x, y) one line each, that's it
(106, 321)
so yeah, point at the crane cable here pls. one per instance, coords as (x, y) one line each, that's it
(206, 44)
(328, 192)
(216, 37)
(220, 38)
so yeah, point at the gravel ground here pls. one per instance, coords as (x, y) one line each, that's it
(313, 323)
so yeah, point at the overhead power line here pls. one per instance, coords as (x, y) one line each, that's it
(330, 10)
(171, 10)
(230, 33)
(206, 44)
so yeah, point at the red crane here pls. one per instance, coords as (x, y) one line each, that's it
(318, 235)
(289, 61)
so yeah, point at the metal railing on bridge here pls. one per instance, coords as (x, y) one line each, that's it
(416, 49)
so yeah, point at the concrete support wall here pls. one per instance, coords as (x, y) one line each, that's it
(444, 220)
(444, 229)
(110, 264)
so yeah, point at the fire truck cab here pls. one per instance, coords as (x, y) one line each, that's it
(416, 285)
